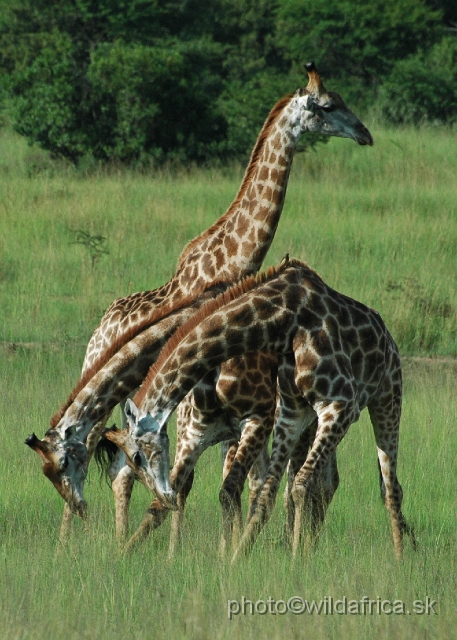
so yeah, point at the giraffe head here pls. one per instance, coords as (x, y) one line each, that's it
(146, 445)
(65, 464)
(325, 112)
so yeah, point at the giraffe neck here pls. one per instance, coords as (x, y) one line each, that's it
(237, 243)
(104, 391)
(120, 375)
(218, 334)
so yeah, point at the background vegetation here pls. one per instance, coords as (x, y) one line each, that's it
(146, 81)
(378, 224)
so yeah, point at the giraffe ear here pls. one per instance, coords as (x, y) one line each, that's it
(35, 443)
(42, 447)
(309, 104)
(310, 66)
(131, 413)
(70, 432)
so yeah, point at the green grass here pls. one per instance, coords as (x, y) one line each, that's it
(379, 224)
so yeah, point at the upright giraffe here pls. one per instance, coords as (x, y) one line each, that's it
(336, 358)
(235, 246)
(237, 243)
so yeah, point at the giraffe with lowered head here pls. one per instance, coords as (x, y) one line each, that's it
(336, 358)
(237, 243)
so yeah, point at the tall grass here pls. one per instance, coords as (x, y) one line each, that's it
(379, 224)
(88, 590)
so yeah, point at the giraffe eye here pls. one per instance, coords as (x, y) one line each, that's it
(328, 107)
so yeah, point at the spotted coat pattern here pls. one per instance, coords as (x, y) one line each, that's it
(336, 358)
(237, 243)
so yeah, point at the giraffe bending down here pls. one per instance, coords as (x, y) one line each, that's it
(219, 394)
(237, 243)
(336, 358)
(109, 382)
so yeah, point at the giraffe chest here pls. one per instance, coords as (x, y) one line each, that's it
(208, 429)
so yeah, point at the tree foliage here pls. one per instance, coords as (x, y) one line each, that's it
(356, 42)
(142, 80)
(79, 84)
(423, 87)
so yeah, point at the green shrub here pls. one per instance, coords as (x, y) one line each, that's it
(423, 88)
(152, 102)
(355, 43)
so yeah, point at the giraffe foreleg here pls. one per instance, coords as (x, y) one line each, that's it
(122, 479)
(257, 477)
(153, 518)
(229, 449)
(65, 527)
(254, 437)
(178, 515)
(296, 461)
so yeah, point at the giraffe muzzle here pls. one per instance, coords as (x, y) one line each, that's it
(169, 499)
(79, 508)
(364, 137)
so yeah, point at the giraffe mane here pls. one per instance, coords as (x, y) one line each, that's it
(158, 313)
(252, 166)
(243, 286)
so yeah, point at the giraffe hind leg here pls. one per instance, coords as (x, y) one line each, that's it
(385, 418)
(317, 480)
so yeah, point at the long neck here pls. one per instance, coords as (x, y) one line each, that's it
(121, 375)
(237, 243)
(235, 331)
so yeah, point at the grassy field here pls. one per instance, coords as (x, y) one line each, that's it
(379, 224)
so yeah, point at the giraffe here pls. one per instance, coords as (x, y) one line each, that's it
(336, 356)
(107, 383)
(229, 387)
(237, 243)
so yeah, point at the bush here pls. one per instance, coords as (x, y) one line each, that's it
(355, 43)
(423, 88)
(156, 102)
(111, 80)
